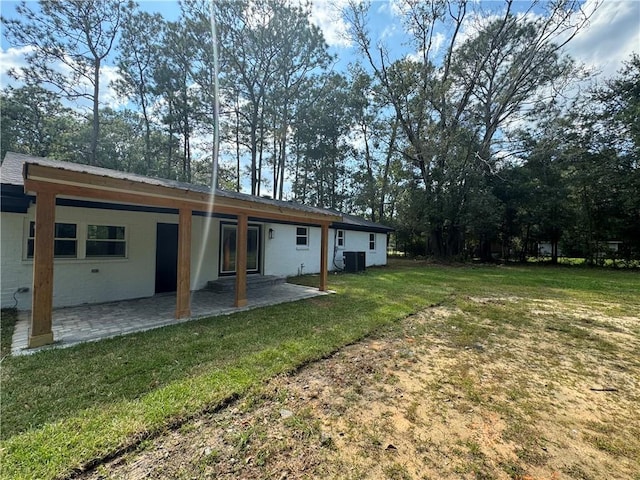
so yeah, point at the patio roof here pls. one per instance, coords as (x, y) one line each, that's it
(12, 173)
(76, 180)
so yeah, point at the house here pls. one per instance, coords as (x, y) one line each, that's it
(604, 249)
(545, 249)
(104, 235)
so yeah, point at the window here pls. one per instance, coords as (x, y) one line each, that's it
(65, 241)
(106, 241)
(372, 241)
(302, 237)
(340, 239)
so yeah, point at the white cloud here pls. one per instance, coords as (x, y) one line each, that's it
(612, 34)
(9, 59)
(15, 58)
(327, 15)
(108, 96)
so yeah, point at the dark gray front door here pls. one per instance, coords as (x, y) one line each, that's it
(166, 257)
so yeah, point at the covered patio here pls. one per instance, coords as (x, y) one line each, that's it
(49, 180)
(89, 323)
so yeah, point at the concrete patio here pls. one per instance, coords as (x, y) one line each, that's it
(89, 323)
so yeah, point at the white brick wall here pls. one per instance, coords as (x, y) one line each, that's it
(359, 242)
(13, 274)
(76, 282)
(282, 257)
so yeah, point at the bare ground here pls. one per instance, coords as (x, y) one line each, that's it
(552, 392)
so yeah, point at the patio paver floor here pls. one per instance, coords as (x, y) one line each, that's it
(93, 322)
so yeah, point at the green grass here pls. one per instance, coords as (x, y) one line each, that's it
(8, 319)
(63, 409)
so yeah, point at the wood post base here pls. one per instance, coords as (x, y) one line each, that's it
(40, 340)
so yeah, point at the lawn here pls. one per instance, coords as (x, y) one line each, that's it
(64, 410)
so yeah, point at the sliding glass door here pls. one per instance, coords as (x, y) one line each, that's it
(228, 233)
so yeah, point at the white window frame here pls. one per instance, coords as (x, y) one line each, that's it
(29, 238)
(123, 240)
(340, 239)
(372, 241)
(305, 236)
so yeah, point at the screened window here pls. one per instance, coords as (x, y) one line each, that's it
(65, 240)
(340, 239)
(372, 241)
(106, 241)
(302, 236)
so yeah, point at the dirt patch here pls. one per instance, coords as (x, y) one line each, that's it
(447, 394)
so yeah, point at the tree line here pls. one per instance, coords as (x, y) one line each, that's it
(468, 147)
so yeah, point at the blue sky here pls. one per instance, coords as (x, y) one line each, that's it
(612, 35)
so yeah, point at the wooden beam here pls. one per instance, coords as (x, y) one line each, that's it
(219, 205)
(324, 257)
(183, 293)
(241, 261)
(42, 306)
(116, 186)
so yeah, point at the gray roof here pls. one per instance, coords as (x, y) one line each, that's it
(11, 169)
(13, 163)
(354, 222)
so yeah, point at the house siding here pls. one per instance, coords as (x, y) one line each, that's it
(282, 257)
(356, 241)
(76, 282)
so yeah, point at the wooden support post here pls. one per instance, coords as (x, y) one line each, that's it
(241, 261)
(324, 257)
(42, 308)
(183, 293)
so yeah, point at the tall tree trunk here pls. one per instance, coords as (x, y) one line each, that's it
(254, 148)
(95, 131)
(387, 167)
(237, 145)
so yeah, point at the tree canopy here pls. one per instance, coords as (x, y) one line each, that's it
(468, 146)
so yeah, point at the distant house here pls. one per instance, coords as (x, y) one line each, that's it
(611, 246)
(74, 234)
(545, 249)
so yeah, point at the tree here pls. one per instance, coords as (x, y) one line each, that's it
(174, 81)
(603, 165)
(620, 99)
(201, 27)
(546, 199)
(577, 183)
(33, 121)
(376, 148)
(123, 143)
(139, 49)
(454, 103)
(301, 50)
(248, 65)
(270, 53)
(70, 40)
(320, 148)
